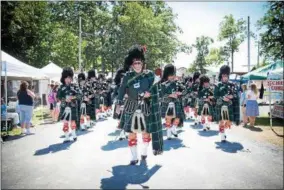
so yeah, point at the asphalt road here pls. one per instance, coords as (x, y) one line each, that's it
(196, 159)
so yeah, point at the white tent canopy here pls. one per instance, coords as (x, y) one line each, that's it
(53, 71)
(18, 69)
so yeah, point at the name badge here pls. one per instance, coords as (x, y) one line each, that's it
(137, 85)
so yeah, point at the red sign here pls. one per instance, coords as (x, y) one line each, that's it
(276, 85)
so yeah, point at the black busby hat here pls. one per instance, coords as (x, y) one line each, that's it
(135, 52)
(67, 72)
(169, 70)
(81, 77)
(101, 76)
(203, 79)
(91, 73)
(225, 69)
(195, 76)
(118, 76)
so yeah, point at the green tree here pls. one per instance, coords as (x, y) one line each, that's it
(272, 39)
(202, 47)
(233, 32)
(217, 56)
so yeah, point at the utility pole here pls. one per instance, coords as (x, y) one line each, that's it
(257, 53)
(80, 41)
(248, 45)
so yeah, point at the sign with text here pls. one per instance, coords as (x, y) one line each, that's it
(278, 111)
(276, 85)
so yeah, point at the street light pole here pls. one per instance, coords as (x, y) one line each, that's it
(80, 41)
(248, 45)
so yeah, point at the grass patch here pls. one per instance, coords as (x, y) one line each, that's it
(265, 121)
(40, 114)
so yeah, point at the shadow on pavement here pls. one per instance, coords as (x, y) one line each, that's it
(179, 131)
(79, 133)
(196, 126)
(256, 129)
(53, 148)
(15, 137)
(115, 133)
(124, 175)
(174, 143)
(209, 133)
(112, 145)
(230, 147)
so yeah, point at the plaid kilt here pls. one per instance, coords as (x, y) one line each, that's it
(74, 113)
(193, 102)
(97, 102)
(218, 116)
(178, 108)
(236, 110)
(91, 109)
(211, 108)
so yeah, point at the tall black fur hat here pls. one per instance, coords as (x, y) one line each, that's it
(135, 52)
(91, 73)
(81, 76)
(195, 76)
(225, 69)
(101, 76)
(169, 70)
(203, 79)
(67, 72)
(118, 76)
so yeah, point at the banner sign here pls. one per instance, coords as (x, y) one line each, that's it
(275, 85)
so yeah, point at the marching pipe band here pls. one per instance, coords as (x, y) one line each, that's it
(141, 98)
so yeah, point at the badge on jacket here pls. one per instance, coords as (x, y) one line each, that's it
(137, 85)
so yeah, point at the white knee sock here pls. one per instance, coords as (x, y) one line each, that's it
(169, 132)
(144, 148)
(133, 150)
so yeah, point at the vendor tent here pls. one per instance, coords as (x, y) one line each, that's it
(261, 73)
(53, 71)
(17, 69)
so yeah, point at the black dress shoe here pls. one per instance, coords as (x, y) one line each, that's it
(134, 162)
(121, 138)
(175, 135)
(66, 141)
(223, 141)
(75, 139)
(169, 138)
(143, 157)
(157, 152)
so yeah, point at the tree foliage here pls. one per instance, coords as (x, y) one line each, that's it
(202, 47)
(272, 39)
(38, 32)
(233, 32)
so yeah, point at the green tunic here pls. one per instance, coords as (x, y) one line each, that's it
(221, 90)
(134, 84)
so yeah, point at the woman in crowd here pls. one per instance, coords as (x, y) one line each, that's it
(243, 104)
(26, 99)
(251, 105)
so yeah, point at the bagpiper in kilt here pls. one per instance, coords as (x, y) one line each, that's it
(141, 110)
(194, 96)
(102, 88)
(85, 108)
(68, 94)
(117, 81)
(187, 97)
(91, 84)
(171, 102)
(225, 92)
(205, 108)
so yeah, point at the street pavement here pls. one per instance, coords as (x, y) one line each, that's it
(196, 159)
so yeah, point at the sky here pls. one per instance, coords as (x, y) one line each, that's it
(203, 18)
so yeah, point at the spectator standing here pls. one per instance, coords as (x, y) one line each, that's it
(243, 104)
(252, 110)
(26, 100)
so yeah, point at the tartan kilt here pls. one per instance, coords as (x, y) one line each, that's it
(218, 116)
(126, 122)
(193, 102)
(97, 102)
(211, 109)
(91, 110)
(115, 115)
(178, 108)
(74, 114)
